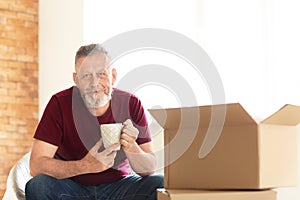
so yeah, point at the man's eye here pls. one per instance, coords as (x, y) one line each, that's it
(101, 74)
(86, 76)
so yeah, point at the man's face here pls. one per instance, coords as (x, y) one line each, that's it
(95, 79)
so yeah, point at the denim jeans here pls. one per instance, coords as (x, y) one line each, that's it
(132, 187)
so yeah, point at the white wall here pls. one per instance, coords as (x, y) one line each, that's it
(60, 35)
(254, 44)
(106, 19)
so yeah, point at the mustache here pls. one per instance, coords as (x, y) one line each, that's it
(92, 90)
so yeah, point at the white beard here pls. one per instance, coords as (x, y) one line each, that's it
(96, 100)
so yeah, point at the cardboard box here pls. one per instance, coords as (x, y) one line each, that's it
(203, 151)
(163, 194)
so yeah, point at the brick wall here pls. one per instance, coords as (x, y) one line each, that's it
(18, 81)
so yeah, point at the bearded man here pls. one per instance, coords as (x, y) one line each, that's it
(68, 160)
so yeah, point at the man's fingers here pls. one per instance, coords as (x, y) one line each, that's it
(128, 137)
(112, 154)
(108, 160)
(113, 148)
(124, 143)
(131, 131)
(127, 122)
(97, 146)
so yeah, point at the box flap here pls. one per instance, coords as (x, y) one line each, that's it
(212, 115)
(172, 118)
(236, 115)
(287, 115)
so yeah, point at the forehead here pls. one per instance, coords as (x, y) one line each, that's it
(97, 61)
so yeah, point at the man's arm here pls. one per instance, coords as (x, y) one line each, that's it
(42, 161)
(141, 157)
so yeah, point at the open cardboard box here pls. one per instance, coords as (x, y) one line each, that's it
(223, 147)
(163, 194)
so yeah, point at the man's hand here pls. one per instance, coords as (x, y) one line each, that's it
(95, 161)
(141, 157)
(129, 135)
(42, 161)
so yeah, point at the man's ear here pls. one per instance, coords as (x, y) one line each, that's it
(114, 75)
(75, 78)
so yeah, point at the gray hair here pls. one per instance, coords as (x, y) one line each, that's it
(91, 49)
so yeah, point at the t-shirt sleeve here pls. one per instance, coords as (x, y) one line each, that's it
(50, 127)
(139, 119)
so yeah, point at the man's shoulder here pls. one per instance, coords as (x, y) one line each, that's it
(64, 93)
(122, 93)
(124, 97)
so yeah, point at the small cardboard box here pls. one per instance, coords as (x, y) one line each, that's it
(223, 147)
(163, 194)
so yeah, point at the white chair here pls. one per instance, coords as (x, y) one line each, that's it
(18, 176)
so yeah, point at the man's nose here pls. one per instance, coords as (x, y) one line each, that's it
(95, 80)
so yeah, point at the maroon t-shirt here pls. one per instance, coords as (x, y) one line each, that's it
(67, 124)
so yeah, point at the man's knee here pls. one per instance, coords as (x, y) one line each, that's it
(40, 181)
(157, 180)
(37, 186)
